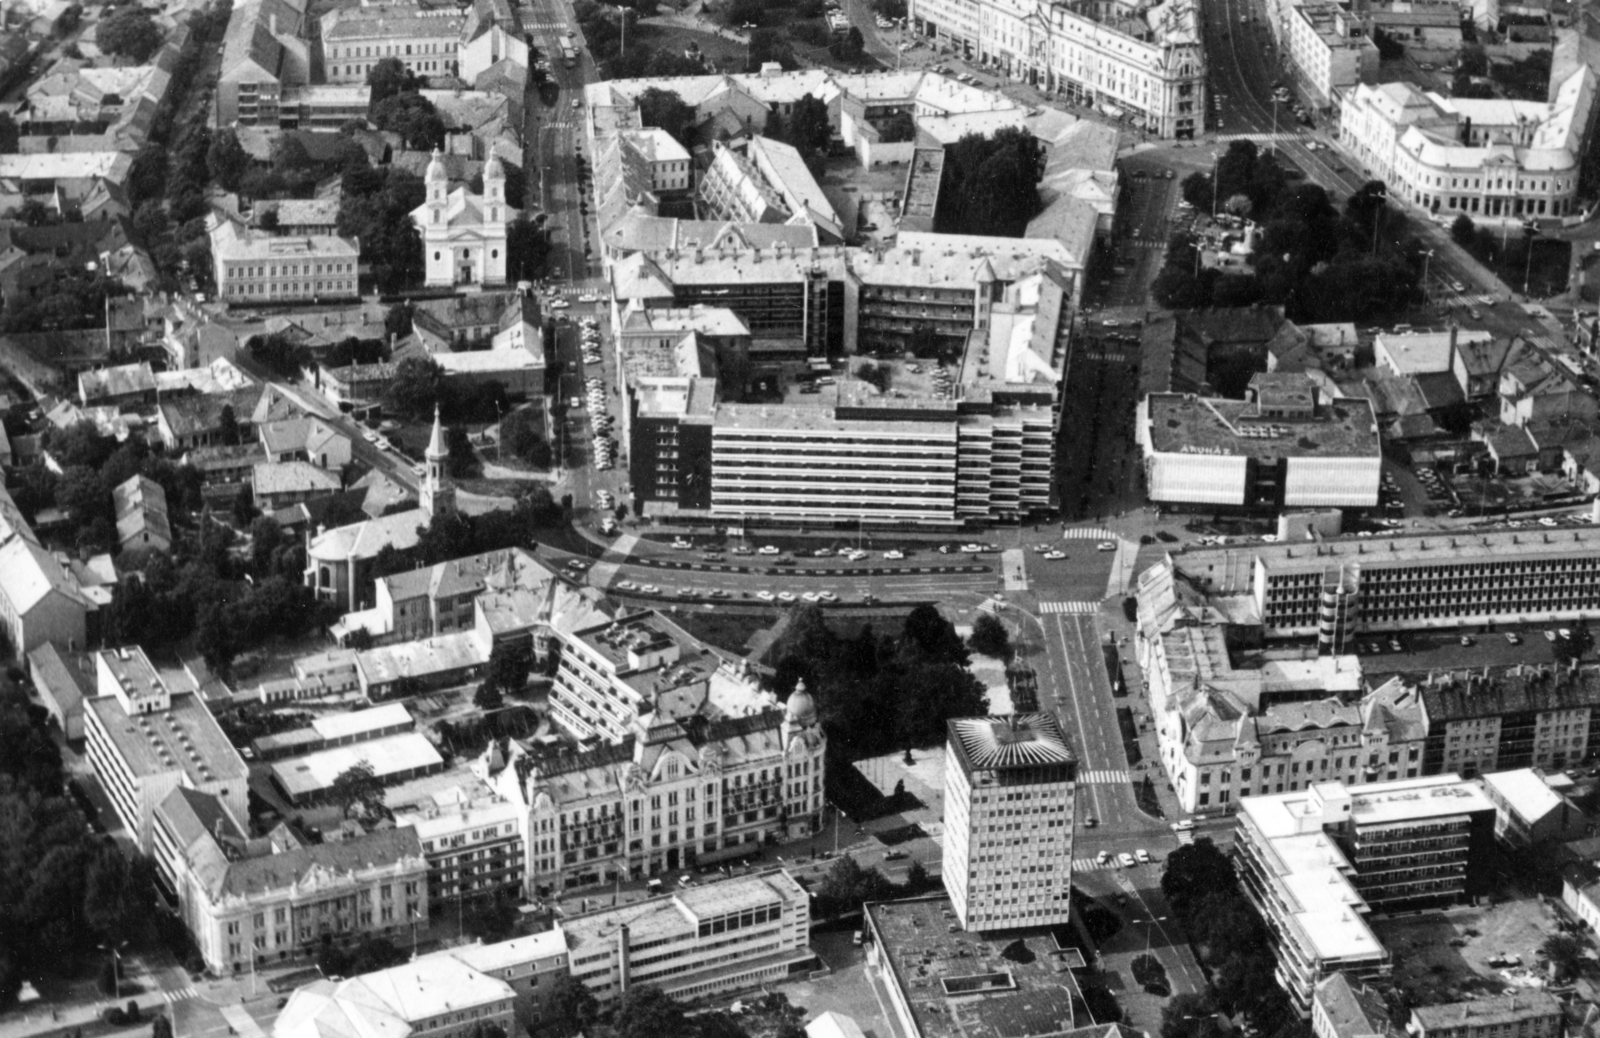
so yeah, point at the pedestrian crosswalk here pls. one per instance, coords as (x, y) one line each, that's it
(1149, 243)
(1087, 533)
(1091, 864)
(1108, 356)
(1225, 138)
(1078, 608)
(182, 994)
(1103, 777)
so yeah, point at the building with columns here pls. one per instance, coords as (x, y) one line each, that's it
(464, 234)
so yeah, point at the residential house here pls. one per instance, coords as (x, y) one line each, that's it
(142, 519)
(278, 484)
(63, 683)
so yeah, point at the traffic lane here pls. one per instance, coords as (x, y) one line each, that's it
(1069, 681)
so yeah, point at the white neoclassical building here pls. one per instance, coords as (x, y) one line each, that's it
(1484, 158)
(464, 234)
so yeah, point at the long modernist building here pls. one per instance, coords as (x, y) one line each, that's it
(1335, 588)
(1316, 863)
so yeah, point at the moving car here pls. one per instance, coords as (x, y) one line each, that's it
(1106, 546)
(1125, 860)
(769, 549)
(894, 554)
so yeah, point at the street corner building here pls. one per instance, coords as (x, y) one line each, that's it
(1010, 795)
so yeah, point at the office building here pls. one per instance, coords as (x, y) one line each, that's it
(144, 741)
(679, 790)
(436, 996)
(945, 982)
(1289, 445)
(1485, 158)
(1315, 863)
(251, 902)
(1009, 802)
(727, 935)
(254, 268)
(424, 40)
(1143, 61)
(1519, 1014)
(1338, 588)
(1544, 717)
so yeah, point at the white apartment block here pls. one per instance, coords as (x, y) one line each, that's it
(1483, 158)
(725, 936)
(354, 39)
(145, 741)
(473, 831)
(254, 268)
(1009, 802)
(1143, 60)
(1327, 48)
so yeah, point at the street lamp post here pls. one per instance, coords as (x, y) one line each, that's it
(1529, 232)
(116, 966)
(1426, 256)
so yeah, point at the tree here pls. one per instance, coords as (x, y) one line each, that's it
(1190, 1016)
(488, 697)
(1463, 231)
(521, 433)
(130, 33)
(849, 46)
(572, 1006)
(527, 249)
(416, 388)
(357, 784)
(648, 1012)
(809, 129)
(509, 665)
(390, 76)
(161, 1027)
(226, 159)
(990, 184)
(1565, 953)
(9, 134)
(462, 459)
(899, 127)
(990, 637)
(1196, 188)
(413, 117)
(1194, 870)
(667, 111)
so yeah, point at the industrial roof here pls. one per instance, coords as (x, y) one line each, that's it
(357, 722)
(393, 755)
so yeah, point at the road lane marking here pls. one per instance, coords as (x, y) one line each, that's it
(1078, 608)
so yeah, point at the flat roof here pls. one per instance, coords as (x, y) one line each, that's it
(393, 755)
(962, 985)
(1526, 791)
(356, 722)
(1184, 424)
(680, 912)
(184, 737)
(1400, 549)
(819, 418)
(428, 656)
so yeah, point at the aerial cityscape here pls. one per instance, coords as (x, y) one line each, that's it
(799, 519)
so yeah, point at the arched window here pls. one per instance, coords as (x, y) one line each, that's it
(494, 254)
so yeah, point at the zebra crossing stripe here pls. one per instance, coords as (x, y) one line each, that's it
(1087, 533)
(1076, 608)
(180, 995)
(1090, 864)
(1101, 777)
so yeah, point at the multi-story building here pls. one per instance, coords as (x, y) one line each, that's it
(1287, 446)
(473, 827)
(144, 741)
(141, 509)
(1144, 60)
(531, 965)
(1327, 48)
(1528, 811)
(1315, 863)
(1521, 717)
(1524, 1014)
(435, 996)
(40, 602)
(760, 180)
(253, 902)
(660, 152)
(1482, 158)
(264, 51)
(1339, 587)
(1010, 787)
(254, 268)
(425, 40)
(728, 935)
(681, 788)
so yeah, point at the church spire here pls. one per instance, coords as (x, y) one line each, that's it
(438, 496)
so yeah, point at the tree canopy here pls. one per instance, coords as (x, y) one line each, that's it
(130, 33)
(666, 110)
(413, 117)
(990, 185)
(388, 77)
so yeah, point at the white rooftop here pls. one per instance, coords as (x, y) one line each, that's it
(1526, 791)
(340, 726)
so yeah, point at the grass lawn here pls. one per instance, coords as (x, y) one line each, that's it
(1546, 275)
(722, 52)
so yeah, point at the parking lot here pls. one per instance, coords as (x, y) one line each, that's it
(1445, 956)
